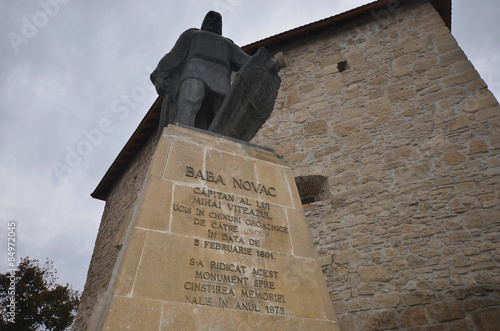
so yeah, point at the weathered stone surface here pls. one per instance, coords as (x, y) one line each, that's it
(133, 314)
(315, 128)
(414, 316)
(358, 304)
(377, 320)
(445, 311)
(374, 274)
(478, 146)
(378, 107)
(386, 301)
(488, 320)
(454, 158)
(347, 128)
(347, 256)
(346, 322)
(418, 298)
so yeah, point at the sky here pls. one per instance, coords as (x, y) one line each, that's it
(74, 85)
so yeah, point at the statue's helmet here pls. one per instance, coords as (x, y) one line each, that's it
(212, 22)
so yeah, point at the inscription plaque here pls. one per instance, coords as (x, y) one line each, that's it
(218, 240)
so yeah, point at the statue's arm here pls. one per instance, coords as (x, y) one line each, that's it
(238, 57)
(163, 73)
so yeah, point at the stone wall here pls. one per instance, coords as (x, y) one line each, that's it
(408, 137)
(117, 210)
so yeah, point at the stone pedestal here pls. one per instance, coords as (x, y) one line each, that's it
(217, 241)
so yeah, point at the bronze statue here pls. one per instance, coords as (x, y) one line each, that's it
(195, 76)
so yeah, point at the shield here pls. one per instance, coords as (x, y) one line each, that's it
(251, 99)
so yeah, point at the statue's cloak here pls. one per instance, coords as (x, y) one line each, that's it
(203, 55)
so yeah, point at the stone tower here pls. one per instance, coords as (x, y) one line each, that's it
(394, 140)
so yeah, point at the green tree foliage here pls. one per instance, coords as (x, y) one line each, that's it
(40, 303)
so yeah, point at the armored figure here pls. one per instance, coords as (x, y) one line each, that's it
(195, 77)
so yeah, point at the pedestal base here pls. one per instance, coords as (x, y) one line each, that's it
(217, 241)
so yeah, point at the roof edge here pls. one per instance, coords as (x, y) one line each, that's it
(443, 7)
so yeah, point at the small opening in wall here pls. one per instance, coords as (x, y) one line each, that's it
(308, 200)
(311, 188)
(342, 66)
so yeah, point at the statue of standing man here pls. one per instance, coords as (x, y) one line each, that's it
(195, 76)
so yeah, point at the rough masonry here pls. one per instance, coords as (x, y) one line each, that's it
(407, 139)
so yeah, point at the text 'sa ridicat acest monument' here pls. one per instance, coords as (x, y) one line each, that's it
(216, 238)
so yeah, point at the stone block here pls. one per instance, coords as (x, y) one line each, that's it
(439, 95)
(480, 100)
(232, 169)
(151, 214)
(454, 158)
(460, 78)
(160, 157)
(176, 316)
(179, 160)
(424, 65)
(487, 113)
(279, 183)
(459, 123)
(459, 237)
(190, 136)
(332, 84)
(487, 320)
(453, 56)
(292, 98)
(351, 113)
(418, 298)
(300, 234)
(386, 300)
(326, 151)
(494, 141)
(347, 256)
(301, 116)
(228, 146)
(378, 107)
(347, 127)
(465, 186)
(358, 139)
(377, 320)
(401, 71)
(134, 248)
(374, 274)
(445, 311)
(346, 322)
(414, 316)
(398, 265)
(358, 304)
(416, 45)
(481, 218)
(367, 289)
(133, 314)
(401, 95)
(315, 128)
(304, 88)
(438, 73)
